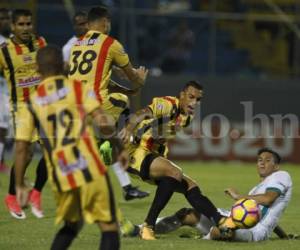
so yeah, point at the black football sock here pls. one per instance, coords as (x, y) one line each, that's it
(164, 192)
(41, 175)
(110, 241)
(202, 204)
(64, 237)
(12, 183)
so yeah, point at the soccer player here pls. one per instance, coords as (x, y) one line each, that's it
(59, 110)
(148, 151)
(4, 34)
(17, 61)
(272, 193)
(80, 26)
(91, 61)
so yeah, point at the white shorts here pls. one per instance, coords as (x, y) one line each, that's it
(258, 233)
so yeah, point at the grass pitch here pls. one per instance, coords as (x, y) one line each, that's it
(212, 178)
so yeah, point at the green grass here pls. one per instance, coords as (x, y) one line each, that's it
(213, 178)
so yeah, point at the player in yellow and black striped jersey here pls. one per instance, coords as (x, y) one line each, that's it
(17, 60)
(59, 109)
(92, 59)
(148, 151)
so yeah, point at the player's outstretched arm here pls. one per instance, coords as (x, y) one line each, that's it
(22, 152)
(136, 76)
(265, 199)
(134, 120)
(117, 88)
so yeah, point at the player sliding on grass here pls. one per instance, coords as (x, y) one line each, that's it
(148, 150)
(272, 194)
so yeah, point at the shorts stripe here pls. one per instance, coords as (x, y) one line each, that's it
(111, 199)
(12, 79)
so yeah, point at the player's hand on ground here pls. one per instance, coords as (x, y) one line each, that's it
(233, 193)
(142, 73)
(293, 236)
(22, 193)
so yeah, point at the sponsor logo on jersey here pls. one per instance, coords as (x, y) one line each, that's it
(46, 100)
(27, 58)
(87, 42)
(69, 168)
(27, 82)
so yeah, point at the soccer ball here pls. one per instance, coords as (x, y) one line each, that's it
(245, 213)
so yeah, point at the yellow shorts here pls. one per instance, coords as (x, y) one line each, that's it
(115, 104)
(18, 123)
(140, 162)
(93, 202)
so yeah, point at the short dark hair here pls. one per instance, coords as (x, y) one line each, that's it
(276, 156)
(97, 13)
(79, 13)
(19, 12)
(194, 84)
(50, 60)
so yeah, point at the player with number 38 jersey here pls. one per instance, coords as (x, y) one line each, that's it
(91, 60)
(93, 57)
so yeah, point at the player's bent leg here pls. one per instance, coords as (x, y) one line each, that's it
(183, 217)
(65, 236)
(168, 177)
(162, 167)
(256, 233)
(129, 192)
(110, 239)
(200, 202)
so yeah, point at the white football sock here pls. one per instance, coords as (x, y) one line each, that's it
(121, 174)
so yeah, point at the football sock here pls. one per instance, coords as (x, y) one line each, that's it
(202, 204)
(11, 187)
(1, 151)
(121, 174)
(64, 238)
(110, 241)
(164, 192)
(41, 175)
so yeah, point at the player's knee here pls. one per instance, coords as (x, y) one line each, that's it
(190, 183)
(175, 173)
